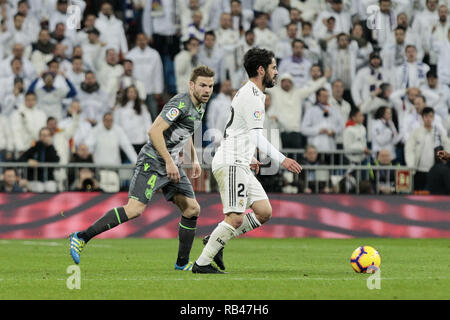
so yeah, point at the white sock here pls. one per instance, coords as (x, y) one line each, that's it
(249, 222)
(219, 237)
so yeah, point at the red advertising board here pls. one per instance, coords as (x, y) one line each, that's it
(326, 216)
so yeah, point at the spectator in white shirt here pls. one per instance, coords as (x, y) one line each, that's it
(441, 108)
(132, 116)
(362, 47)
(343, 19)
(11, 101)
(419, 148)
(7, 82)
(59, 36)
(354, 138)
(83, 34)
(31, 25)
(227, 37)
(17, 52)
(322, 123)
(368, 79)
(109, 73)
(342, 62)
(148, 68)
(94, 101)
(158, 23)
(128, 79)
(314, 52)
(386, 20)
(296, 65)
(412, 73)
(241, 18)
(284, 45)
(442, 48)
(26, 122)
(49, 96)
(210, 55)
(280, 17)
(264, 37)
(439, 32)
(42, 51)
(315, 73)
(185, 62)
(379, 98)
(106, 140)
(6, 139)
(424, 22)
(83, 127)
(111, 29)
(218, 112)
(338, 102)
(76, 73)
(384, 133)
(16, 34)
(93, 49)
(287, 104)
(413, 119)
(393, 54)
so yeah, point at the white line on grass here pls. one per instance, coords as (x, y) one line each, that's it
(46, 243)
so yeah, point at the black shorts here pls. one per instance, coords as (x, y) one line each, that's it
(148, 178)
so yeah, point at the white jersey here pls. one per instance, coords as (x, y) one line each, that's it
(247, 113)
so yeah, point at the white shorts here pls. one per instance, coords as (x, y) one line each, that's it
(238, 188)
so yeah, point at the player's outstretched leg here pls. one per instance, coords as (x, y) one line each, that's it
(186, 232)
(111, 219)
(262, 212)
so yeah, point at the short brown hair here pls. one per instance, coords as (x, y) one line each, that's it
(202, 71)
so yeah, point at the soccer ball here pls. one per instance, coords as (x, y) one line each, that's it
(365, 259)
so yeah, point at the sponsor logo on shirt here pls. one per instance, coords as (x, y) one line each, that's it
(172, 114)
(257, 115)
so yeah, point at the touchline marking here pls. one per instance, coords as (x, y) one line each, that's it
(235, 279)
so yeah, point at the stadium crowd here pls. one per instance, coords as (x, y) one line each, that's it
(374, 84)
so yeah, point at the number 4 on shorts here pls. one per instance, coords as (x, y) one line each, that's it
(151, 182)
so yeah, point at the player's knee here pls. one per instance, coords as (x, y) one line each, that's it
(264, 214)
(235, 220)
(133, 211)
(193, 210)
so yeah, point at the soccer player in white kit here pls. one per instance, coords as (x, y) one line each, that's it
(239, 188)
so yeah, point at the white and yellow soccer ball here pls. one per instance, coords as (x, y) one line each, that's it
(365, 259)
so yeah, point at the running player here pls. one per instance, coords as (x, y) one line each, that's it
(158, 167)
(239, 188)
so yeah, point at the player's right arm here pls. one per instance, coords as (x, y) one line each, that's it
(157, 138)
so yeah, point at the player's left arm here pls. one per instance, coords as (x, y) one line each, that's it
(266, 147)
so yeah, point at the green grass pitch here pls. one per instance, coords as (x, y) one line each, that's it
(260, 269)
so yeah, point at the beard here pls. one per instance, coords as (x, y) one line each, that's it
(268, 82)
(199, 97)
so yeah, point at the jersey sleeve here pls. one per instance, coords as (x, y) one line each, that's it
(172, 111)
(253, 113)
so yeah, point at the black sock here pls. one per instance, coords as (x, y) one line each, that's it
(110, 220)
(186, 234)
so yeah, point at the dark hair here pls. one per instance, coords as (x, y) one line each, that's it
(210, 33)
(354, 112)
(410, 46)
(379, 114)
(306, 23)
(50, 119)
(319, 91)
(427, 110)
(400, 28)
(298, 40)
(137, 103)
(432, 74)
(255, 58)
(384, 86)
(30, 93)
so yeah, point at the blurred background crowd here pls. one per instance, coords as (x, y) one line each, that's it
(369, 78)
